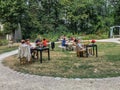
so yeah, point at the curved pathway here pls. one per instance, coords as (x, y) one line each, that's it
(115, 40)
(12, 80)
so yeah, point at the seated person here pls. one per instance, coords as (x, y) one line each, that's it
(79, 45)
(22, 42)
(80, 49)
(75, 42)
(38, 43)
(27, 42)
(44, 42)
(72, 38)
(24, 51)
(64, 43)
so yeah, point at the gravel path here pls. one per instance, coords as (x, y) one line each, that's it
(12, 80)
(115, 40)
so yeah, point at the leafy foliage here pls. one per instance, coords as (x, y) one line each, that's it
(56, 16)
(117, 14)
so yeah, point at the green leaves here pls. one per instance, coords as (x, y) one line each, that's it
(43, 16)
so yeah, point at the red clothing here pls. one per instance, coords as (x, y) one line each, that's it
(44, 43)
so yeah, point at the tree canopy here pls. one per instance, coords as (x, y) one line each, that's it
(58, 16)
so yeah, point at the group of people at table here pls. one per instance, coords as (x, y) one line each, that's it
(78, 46)
(38, 43)
(26, 48)
(72, 43)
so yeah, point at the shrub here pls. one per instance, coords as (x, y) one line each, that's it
(3, 42)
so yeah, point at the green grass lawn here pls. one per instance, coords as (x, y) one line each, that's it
(4, 49)
(66, 64)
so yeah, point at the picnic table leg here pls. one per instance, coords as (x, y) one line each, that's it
(86, 51)
(96, 51)
(48, 54)
(37, 55)
(93, 51)
(40, 56)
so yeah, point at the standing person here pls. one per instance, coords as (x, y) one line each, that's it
(44, 42)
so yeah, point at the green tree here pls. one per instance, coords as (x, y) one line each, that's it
(11, 13)
(56, 16)
(117, 13)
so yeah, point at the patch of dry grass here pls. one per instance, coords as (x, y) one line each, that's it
(7, 49)
(66, 64)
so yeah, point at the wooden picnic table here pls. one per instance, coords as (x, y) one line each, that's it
(94, 49)
(40, 50)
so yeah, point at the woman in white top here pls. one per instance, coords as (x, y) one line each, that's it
(80, 45)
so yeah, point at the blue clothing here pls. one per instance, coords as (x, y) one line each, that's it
(63, 42)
